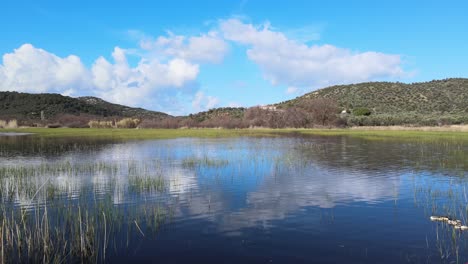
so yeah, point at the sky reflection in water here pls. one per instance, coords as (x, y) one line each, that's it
(319, 198)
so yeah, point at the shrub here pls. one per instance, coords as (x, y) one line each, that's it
(100, 124)
(127, 123)
(361, 111)
(93, 124)
(9, 124)
(54, 125)
(124, 123)
(13, 124)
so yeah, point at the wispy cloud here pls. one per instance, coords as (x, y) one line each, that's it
(203, 102)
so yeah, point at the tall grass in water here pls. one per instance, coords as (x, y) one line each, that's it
(50, 228)
(146, 183)
(205, 162)
(449, 201)
(75, 232)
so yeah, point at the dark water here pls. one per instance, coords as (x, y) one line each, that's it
(242, 200)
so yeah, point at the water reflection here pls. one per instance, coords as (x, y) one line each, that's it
(242, 175)
(233, 184)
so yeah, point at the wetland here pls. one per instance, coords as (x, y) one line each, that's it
(292, 197)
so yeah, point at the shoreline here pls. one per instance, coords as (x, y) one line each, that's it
(448, 128)
(14, 134)
(422, 133)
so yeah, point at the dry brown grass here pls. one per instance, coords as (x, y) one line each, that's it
(100, 124)
(127, 123)
(124, 123)
(9, 124)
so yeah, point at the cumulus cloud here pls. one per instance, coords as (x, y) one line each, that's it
(288, 62)
(203, 102)
(150, 83)
(28, 69)
(165, 75)
(118, 82)
(163, 79)
(207, 47)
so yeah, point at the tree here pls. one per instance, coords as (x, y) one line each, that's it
(322, 111)
(361, 111)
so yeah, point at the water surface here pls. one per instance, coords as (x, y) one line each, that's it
(261, 200)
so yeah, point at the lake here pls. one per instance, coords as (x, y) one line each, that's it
(290, 199)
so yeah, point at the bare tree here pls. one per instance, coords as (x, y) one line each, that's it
(322, 111)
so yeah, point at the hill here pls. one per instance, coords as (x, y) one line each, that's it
(433, 101)
(372, 103)
(221, 112)
(24, 106)
(448, 96)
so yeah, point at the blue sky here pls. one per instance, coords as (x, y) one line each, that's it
(187, 56)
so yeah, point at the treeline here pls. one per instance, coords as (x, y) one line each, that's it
(319, 112)
(306, 113)
(413, 119)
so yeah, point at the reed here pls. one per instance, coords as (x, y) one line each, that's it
(206, 161)
(73, 233)
(12, 124)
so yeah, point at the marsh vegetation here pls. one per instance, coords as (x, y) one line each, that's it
(276, 196)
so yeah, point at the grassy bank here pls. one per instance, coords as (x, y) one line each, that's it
(123, 134)
(142, 133)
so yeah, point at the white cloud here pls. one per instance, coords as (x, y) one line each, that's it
(288, 62)
(150, 83)
(292, 90)
(165, 76)
(204, 48)
(137, 85)
(29, 69)
(202, 102)
(234, 104)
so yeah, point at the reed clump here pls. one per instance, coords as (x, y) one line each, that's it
(11, 124)
(123, 123)
(100, 124)
(86, 233)
(128, 123)
(147, 183)
(204, 162)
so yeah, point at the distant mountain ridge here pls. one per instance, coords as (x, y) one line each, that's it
(29, 106)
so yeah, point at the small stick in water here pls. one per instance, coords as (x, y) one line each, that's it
(139, 229)
(439, 218)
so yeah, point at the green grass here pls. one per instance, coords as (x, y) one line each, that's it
(391, 134)
(124, 134)
(143, 133)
